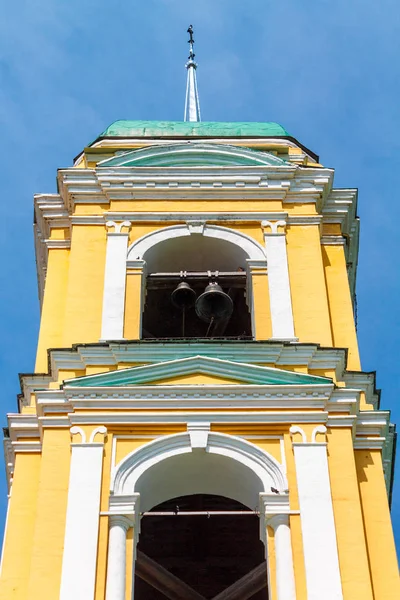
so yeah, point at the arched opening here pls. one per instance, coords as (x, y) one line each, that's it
(207, 542)
(196, 261)
(204, 472)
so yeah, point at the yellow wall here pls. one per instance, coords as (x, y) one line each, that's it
(49, 529)
(71, 313)
(16, 561)
(307, 285)
(53, 308)
(340, 304)
(85, 285)
(378, 527)
(73, 296)
(353, 557)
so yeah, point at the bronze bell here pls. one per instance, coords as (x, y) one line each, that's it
(183, 296)
(214, 304)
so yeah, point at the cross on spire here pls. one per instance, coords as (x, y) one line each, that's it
(192, 103)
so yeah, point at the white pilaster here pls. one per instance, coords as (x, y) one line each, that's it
(112, 326)
(82, 522)
(278, 281)
(285, 583)
(317, 518)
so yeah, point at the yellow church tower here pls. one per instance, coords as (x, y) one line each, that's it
(198, 424)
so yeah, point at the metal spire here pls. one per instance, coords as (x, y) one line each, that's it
(192, 104)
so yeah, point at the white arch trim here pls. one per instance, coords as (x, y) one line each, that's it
(251, 247)
(127, 473)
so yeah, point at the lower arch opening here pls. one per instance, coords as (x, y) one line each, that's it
(209, 552)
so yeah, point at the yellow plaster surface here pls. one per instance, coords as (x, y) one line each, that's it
(133, 308)
(262, 312)
(49, 529)
(53, 308)
(307, 285)
(20, 528)
(340, 305)
(352, 550)
(272, 564)
(85, 285)
(378, 527)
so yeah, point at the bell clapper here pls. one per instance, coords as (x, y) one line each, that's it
(210, 325)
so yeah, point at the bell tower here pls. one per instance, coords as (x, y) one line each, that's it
(198, 424)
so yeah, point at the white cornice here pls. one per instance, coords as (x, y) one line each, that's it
(255, 143)
(218, 404)
(201, 216)
(285, 182)
(170, 417)
(58, 243)
(333, 240)
(275, 353)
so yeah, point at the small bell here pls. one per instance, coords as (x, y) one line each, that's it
(183, 296)
(214, 304)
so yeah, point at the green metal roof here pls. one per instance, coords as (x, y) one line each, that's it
(200, 129)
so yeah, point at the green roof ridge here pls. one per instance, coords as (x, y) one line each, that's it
(126, 128)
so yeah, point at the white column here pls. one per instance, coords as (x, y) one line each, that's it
(285, 583)
(278, 281)
(82, 522)
(123, 514)
(317, 519)
(112, 326)
(116, 564)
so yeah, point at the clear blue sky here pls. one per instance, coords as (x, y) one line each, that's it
(327, 71)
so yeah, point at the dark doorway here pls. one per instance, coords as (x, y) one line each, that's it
(207, 552)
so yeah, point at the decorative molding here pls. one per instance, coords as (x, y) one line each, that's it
(250, 142)
(304, 219)
(198, 433)
(296, 429)
(273, 225)
(215, 416)
(53, 244)
(143, 352)
(237, 371)
(124, 505)
(275, 504)
(75, 430)
(98, 430)
(213, 217)
(118, 227)
(196, 227)
(319, 429)
(333, 240)
(128, 472)
(249, 245)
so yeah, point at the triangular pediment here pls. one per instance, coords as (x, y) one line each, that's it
(192, 155)
(174, 372)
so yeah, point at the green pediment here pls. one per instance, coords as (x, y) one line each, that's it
(192, 155)
(237, 372)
